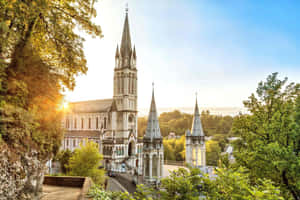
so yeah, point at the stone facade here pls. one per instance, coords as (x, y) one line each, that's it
(153, 150)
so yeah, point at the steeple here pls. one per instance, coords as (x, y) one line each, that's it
(117, 52)
(134, 53)
(197, 126)
(126, 41)
(153, 130)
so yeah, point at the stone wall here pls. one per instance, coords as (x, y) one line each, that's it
(21, 176)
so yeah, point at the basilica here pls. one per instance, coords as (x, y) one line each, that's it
(112, 123)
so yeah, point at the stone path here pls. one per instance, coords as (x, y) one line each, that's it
(56, 193)
(114, 186)
(126, 181)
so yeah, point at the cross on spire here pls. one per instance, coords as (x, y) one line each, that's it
(126, 8)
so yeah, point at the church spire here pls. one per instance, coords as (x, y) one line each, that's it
(117, 51)
(153, 130)
(134, 53)
(126, 41)
(197, 126)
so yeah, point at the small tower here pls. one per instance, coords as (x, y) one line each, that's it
(153, 151)
(195, 143)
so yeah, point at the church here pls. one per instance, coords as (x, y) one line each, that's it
(112, 123)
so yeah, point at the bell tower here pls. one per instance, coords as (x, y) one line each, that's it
(125, 85)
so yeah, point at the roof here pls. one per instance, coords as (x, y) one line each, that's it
(197, 126)
(126, 40)
(100, 105)
(82, 133)
(153, 130)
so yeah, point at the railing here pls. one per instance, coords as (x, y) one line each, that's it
(174, 162)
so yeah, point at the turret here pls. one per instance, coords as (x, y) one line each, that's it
(117, 57)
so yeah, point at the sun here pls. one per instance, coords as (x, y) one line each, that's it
(64, 106)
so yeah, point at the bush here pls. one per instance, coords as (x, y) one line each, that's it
(86, 161)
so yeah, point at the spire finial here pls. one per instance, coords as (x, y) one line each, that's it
(153, 85)
(126, 9)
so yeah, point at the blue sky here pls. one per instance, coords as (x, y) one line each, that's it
(220, 49)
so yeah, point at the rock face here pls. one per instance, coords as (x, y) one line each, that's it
(21, 176)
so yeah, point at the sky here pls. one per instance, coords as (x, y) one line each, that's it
(219, 49)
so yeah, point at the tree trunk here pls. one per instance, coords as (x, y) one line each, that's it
(292, 189)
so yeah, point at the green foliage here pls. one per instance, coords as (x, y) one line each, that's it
(270, 136)
(142, 126)
(182, 184)
(213, 151)
(236, 185)
(86, 161)
(63, 157)
(215, 124)
(174, 149)
(190, 184)
(40, 55)
(98, 193)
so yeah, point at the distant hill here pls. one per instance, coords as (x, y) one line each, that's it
(232, 111)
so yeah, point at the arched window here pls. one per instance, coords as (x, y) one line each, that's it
(75, 123)
(129, 84)
(82, 123)
(89, 123)
(132, 85)
(123, 84)
(97, 125)
(154, 165)
(147, 165)
(105, 122)
(67, 123)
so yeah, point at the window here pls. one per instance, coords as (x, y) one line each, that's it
(75, 123)
(82, 123)
(67, 123)
(89, 123)
(133, 85)
(130, 118)
(129, 86)
(105, 122)
(97, 126)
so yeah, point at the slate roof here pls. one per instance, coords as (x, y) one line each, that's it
(126, 40)
(82, 133)
(91, 106)
(153, 130)
(197, 126)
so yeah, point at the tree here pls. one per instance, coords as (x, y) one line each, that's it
(63, 157)
(232, 184)
(174, 149)
(213, 151)
(40, 55)
(86, 162)
(270, 136)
